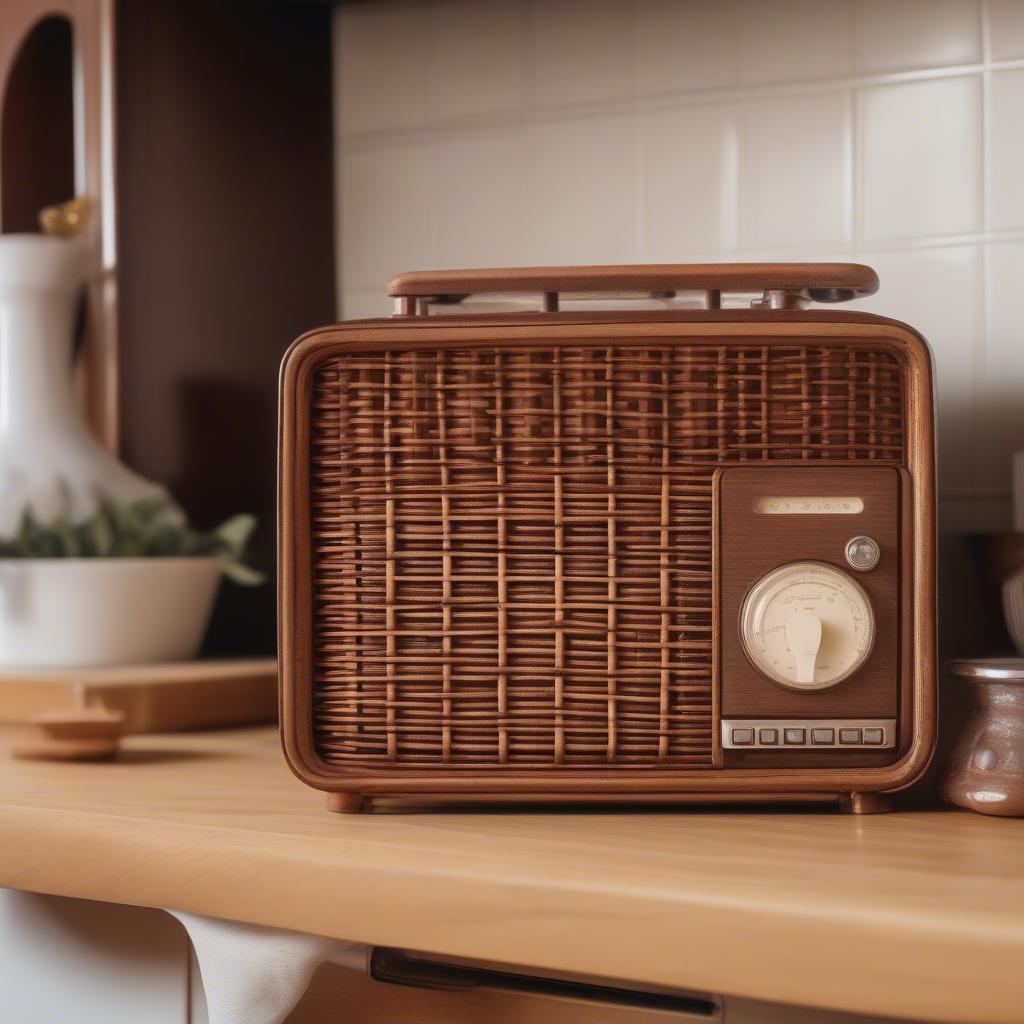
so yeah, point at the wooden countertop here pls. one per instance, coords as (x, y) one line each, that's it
(919, 914)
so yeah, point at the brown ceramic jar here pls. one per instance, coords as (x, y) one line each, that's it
(985, 771)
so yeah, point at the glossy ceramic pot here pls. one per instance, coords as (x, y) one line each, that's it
(985, 771)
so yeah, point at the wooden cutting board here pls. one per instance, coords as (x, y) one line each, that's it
(171, 697)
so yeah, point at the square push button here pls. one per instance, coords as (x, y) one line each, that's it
(848, 736)
(743, 737)
(768, 737)
(874, 736)
(823, 737)
(798, 737)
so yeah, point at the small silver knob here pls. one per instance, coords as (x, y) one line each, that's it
(862, 553)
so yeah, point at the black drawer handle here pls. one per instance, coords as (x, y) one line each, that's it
(395, 967)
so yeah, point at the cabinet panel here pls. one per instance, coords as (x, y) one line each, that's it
(89, 963)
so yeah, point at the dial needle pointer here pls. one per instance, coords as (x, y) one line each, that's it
(803, 634)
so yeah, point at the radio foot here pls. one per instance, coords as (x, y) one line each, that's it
(864, 803)
(346, 803)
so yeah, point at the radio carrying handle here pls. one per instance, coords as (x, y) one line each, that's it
(782, 285)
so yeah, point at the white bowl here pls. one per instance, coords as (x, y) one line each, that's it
(78, 612)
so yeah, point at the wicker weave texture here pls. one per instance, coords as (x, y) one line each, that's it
(512, 546)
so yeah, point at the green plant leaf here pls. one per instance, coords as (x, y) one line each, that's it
(150, 528)
(235, 533)
(66, 538)
(239, 572)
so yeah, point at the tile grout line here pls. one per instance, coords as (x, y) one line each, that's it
(857, 158)
(533, 113)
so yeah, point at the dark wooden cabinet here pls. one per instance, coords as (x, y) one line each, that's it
(226, 253)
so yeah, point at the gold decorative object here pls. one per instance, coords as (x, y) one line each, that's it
(66, 220)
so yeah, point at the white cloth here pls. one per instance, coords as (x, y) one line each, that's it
(256, 975)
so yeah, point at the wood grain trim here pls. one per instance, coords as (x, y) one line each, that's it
(855, 278)
(295, 624)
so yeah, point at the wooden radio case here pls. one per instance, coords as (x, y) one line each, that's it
(654, 554)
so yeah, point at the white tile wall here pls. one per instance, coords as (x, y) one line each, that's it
(1006, 149)
(581, 51)
(802, 39)
(685, 46)
(796, 186)
(582, 184)
(480, 195)
(385, 210)
(940, 292)
(921, 157)
(494, 132)
(379, 57)
(1001, 383)
(475, 57)
(894, 35)
(689, 185)
(1005, 29)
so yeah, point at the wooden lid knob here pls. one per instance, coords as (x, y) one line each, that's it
(84, 734)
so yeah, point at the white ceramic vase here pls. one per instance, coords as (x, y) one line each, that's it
(48, 458)
(66, 611)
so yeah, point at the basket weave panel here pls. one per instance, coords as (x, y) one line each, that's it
(511, 548)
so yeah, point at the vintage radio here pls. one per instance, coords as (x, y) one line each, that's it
(665, 553)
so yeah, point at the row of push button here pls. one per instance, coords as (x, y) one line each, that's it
(798, 736)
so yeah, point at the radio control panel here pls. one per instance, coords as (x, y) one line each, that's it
(808, 624)
(808, 734)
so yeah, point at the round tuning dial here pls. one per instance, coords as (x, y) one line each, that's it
(807, 625)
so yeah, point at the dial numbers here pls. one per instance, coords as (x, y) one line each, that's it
(779, 632)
